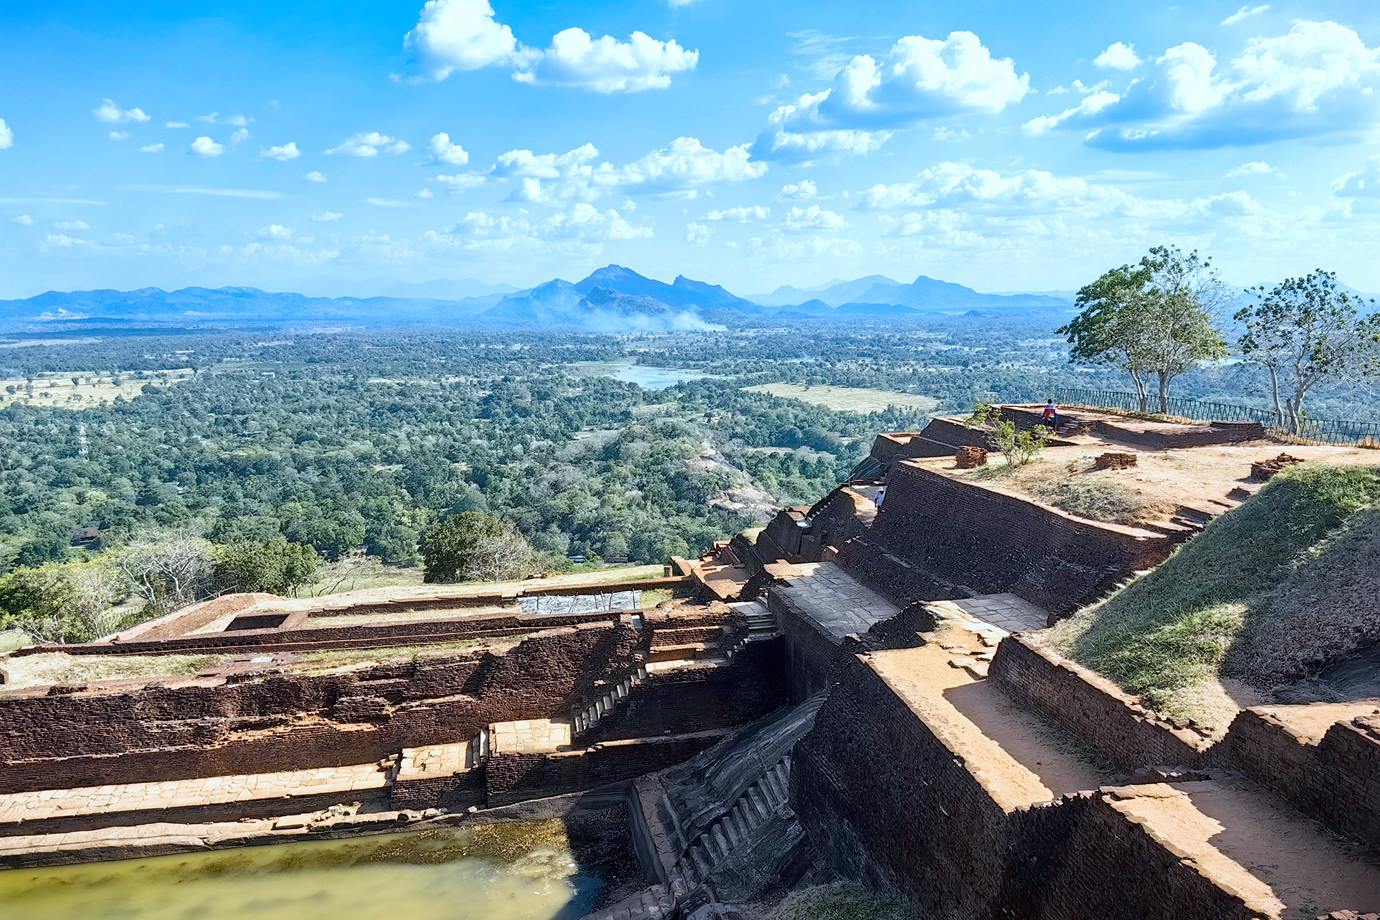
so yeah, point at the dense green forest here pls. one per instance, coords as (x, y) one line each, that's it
(338, 440)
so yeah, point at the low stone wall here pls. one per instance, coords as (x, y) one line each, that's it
(987, 542)
(511, 777)
(291, 637)
(1336, 779)
(1091, 707)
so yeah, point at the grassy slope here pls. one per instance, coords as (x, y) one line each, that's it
(1257, 596)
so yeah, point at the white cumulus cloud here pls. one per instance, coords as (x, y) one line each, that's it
(464, 35)
(239, 136)
(327, 218)
(370, 144)
(120, 135)
(697, 234)
(443, 151)
(605, 64)
(682, 168)
(918, 79)
(6, 136)
(460, 35)
(1253, 168)
(461, 181)
(283, 153)
(1317, 79)
(177, 124)
(152, 148)
(23, 220)
(686, 164)
(1364, 183)
(1118, 56)
(748, 212)
(71, 225)
(205, 147)
(111, 113)
(276, 232)
(812, 218)
(314, 176)
(803, 190)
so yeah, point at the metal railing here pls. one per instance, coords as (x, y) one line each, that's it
(1327, 431)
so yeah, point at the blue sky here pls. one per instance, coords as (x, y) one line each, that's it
(314, 146)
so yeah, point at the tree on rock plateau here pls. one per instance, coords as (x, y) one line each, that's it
(1154, 320)
(1303, 331)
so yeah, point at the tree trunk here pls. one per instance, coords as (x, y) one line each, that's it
(1141, 393)
(1164, 393)
(1274, 390)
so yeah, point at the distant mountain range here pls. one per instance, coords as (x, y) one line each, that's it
(924, 293)
(611, 299)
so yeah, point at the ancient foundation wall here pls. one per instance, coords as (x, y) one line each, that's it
(808, 651)
(294, 721)
(875, 788)
(513, 777)
(699, 698)
(1336, 779)
(292, 637)
(892, 804)
(988, 542)
(1091, 707)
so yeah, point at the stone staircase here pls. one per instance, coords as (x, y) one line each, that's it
(585, 719)
(761, 625)
(759, 802)
(654, 903)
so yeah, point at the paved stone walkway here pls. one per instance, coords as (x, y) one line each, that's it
(433, 761)
(835, 601)
(1007, 611)
(215, 790)
(530, 736)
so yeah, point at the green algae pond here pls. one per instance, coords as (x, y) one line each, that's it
(527, 871)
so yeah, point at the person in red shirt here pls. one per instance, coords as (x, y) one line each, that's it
(1050, 417)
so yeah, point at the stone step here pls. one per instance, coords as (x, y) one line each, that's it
(759, 802)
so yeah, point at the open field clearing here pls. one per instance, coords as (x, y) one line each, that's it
(79, 390)
(849, 399)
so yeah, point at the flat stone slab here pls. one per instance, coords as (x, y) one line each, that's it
(188, 793)
(529, 736)
(836, 603)
(1007, 612)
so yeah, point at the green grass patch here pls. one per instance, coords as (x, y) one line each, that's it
(837, 901)
(1193, 619)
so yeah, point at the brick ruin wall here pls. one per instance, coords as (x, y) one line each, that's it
(1091, 707)
(294, 721)
(893, 806)
(292, 637)
(511, 777)
(952, 533)
(809, 652)
(695, 699)
(1336, 779)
